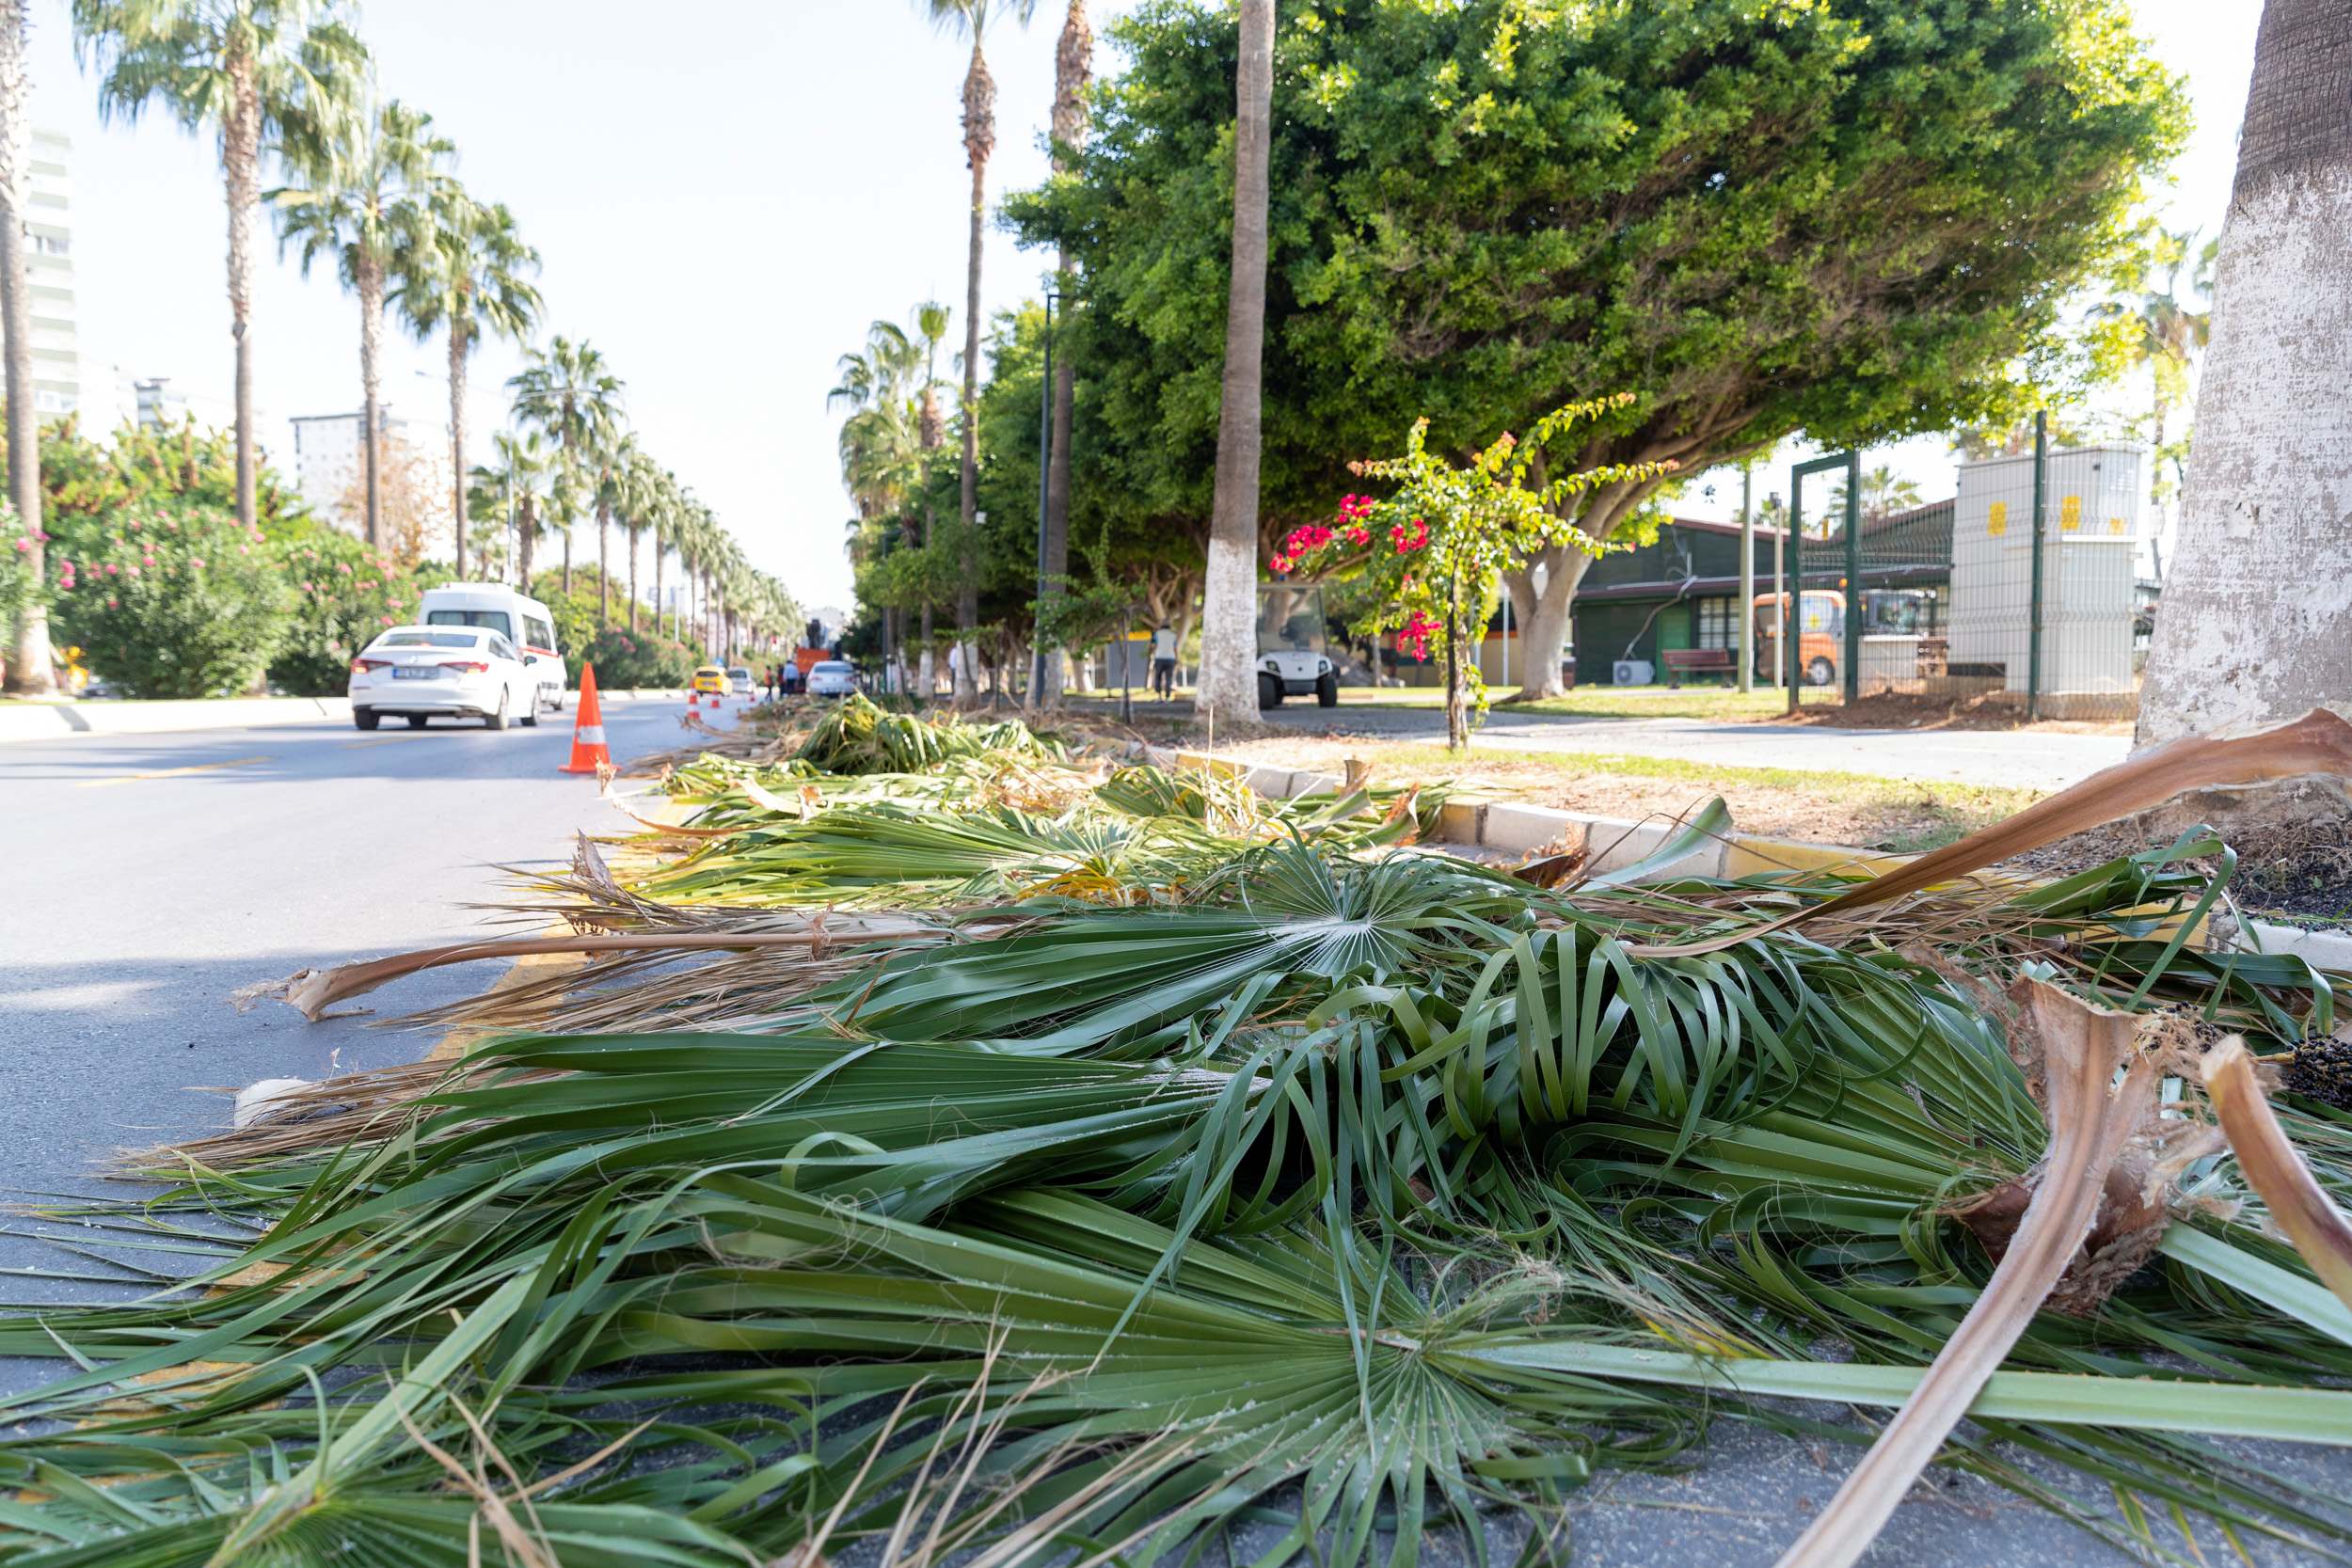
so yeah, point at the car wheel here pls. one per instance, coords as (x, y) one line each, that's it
(1819, 673)
(1328, 690)
(556, 703)
(530, 719)
(366, 717)
(1269, 691)
(415, 720)
(497, 720)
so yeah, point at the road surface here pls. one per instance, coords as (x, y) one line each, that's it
(148, 878)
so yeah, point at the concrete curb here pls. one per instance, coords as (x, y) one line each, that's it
(53, 720)
(1610, 843)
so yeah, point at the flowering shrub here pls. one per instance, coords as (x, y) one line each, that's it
(344, 594)
(625, 660)
(16, 572)
(1435, 551)
(172, 597)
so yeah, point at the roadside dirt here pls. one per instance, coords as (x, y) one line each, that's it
(1981, 712)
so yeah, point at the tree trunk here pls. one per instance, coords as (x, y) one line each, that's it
(979, 140)
(2256, 623)
(1229, 646)
(661, 549)
(632, 581)
(29, 664)
(1074, 66)
(1544, 619)
(1456, 701)
(241, 158)
(526, 538)
(604, 563)
(568, 557)
(457, 438)
(370, 281)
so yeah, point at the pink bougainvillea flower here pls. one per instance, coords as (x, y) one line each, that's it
(147, 561)
(1280, 565)
(110, 604)
(135, 571)
(113, 570)
(24, 547)
(343, 566)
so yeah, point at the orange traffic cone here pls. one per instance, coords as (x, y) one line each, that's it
(588, 748)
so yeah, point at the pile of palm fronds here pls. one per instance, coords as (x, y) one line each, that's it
(1369, 1192)
(856, 735)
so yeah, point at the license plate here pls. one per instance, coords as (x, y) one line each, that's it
(414, 673)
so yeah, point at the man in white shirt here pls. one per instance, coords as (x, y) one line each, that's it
(1164, 662)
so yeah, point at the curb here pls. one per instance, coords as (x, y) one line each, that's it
(1612, 842)
(45, 721)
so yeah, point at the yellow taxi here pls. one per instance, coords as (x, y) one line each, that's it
(710, 680)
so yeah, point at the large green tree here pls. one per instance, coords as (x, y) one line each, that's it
(1853, 219)
(251, 70)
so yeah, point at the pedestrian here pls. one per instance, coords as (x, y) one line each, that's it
(1164, 662)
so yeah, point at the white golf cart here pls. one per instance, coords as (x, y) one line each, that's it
(1292, 660)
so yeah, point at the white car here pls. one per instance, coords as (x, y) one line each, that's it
(832, 677)
(524, 622)
(740, 678)
(421, 672)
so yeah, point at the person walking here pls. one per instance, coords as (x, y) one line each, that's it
(1164, 662)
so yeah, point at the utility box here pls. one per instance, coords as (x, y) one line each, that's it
(2090, 545)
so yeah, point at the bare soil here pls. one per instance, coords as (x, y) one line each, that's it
(1983, 711)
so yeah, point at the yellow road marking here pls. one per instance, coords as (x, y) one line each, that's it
(171, 772)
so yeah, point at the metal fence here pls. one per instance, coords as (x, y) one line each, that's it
(2022, 588)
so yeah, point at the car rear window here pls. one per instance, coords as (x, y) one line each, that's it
(740, 673)
(489, 620)
(833, 670)
(429, 639)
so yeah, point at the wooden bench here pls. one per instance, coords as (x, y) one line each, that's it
(1704, 662)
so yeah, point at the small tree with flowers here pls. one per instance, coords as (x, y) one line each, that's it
(1435, 550)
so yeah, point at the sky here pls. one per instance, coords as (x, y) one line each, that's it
(723, 204)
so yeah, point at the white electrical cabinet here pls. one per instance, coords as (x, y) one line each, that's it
(2089, 546)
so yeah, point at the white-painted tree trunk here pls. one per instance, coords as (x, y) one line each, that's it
(2256, 621)
(1228, 637)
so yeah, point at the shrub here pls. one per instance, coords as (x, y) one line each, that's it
(16, 576)
(344, 594)
(171, 597)
(647, 658)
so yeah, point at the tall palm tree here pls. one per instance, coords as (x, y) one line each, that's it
(2256, 624)
(662, 519)
(1074, 68)
(463, 270)
(566, 392)
(250, 68)
(638, 481)
(29, 668)
(1228, 630)
(513, 486)
(357, 185)
(970, 18)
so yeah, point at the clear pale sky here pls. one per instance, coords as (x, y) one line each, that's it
(726, 194)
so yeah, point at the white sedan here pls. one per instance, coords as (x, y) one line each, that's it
(421, 672)
(832, 677)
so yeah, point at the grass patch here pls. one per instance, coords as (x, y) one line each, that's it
(1895, 816)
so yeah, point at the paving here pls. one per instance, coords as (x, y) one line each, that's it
(148, 877)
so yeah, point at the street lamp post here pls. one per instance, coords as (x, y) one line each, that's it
(1045, 486)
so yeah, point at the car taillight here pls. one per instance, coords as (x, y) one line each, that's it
(474, 666)
(361, 666)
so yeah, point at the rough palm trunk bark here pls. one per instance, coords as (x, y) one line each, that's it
(29, 665)
(526, 538)
(2256, 624)
(661, 549)
(240, 159)
(604, 563)
(979, 141)
(458, 438)
(568, 557)
(1229, 644)
(371, 290)
(632, 581)
(1074, 66)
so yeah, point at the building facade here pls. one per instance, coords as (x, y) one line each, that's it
(329, 472)
(49, 276)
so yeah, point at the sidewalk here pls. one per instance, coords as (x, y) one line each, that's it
(40, 721)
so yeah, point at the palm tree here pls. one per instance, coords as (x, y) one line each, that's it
(512, 488)
(463, 269)
(2165, 335)
(29, 668)
(889, 438)
(972, 18)
(251, 69)
(1228, 637)
(568, 393)
(357, 191)
(2256, 625)
(1074, 66)
(638, 481)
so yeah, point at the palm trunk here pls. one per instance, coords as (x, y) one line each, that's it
(241, 157)
(604, 563)
(1073, 68)
(632, 581)
(29, 664)
(568, 557)
(526, 538)
(371, 281)
(1229, 650)
(979, 140)
(458, 438)
(661, 549)
(2251, 632)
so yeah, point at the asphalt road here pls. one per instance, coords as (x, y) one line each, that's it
(148, 877)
